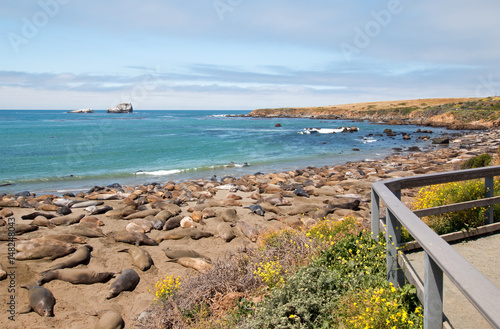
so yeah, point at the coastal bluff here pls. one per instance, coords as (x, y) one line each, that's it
(122, 108)
(453, 113)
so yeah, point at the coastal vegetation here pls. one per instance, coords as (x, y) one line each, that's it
(458, 113)
(331, 275)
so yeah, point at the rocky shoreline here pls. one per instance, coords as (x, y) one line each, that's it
(139, 227)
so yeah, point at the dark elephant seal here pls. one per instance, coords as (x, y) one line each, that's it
(41, 300)
(226, 231)
(44, 251)
(133, 238)
(173, 222)
(301, 192)
(35, 214)
(256, 209)
(140, 257)
(108, 319)
(127, 281)
(76, 276)
(80, 256)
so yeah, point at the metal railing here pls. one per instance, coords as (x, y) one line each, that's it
(440, 257)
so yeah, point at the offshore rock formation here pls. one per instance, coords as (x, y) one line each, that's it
(82, 111)
(122, 108)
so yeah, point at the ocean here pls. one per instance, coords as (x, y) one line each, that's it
(49, 151)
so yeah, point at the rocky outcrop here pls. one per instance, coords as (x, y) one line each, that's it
(122, 108)
(82, 111)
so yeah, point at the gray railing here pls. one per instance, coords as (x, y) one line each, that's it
(440, 257)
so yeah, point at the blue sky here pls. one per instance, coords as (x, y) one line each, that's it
(244, 54)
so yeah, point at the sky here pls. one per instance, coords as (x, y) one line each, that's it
(244, 54)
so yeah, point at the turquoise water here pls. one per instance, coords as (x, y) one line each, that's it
(54, 151)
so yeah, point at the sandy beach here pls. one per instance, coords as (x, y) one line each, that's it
(289, 199)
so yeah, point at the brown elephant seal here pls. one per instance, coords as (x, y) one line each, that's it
(171, 236)
(140, 257)
(134, 228)
(76, 276)
(142, 214)
(92, 219)
(197, 234)
(41, 300)
(18, 229)
(277, 201)
(42, 221)
(270, 208)
(66, 220)
(196, 263)
(24, 245)
(126, 281)
(144, 224)
(229, 215)
(80, 229)
(80, 256)
(226, 231)
(69, 238)
(133, 238)
(44, 251)
(250, 231)
(108, 319)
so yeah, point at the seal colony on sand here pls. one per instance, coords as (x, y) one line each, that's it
(226, 215)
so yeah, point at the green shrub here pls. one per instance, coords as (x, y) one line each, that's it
(480, 161)
(305, 301)
(456, 192)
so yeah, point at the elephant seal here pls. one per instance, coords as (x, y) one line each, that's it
(91, 219)
(140, 257)
(134, 228)
(76, 276)
(86, 204)
(173, 222)
(144, 224)
(69, 238)
(41, 300)
(80, 256)
(35, 214)
(42, 221)
(142, 214)
(249, 231)
(3, 272)
(196, 263)
(170, 236)
(94, 210)
(277, 201)
(197, 234)
(157, 223)
(174, 254)
(66, 220)
(127, 281)
(256, 209)
(187, 222)
(226, 232)
(80, 229)
(133, 238)
(229, 215)
(24, 245)
(301, 192)
(108, 319)
(63, 211)
(18, 229)
(44, 251)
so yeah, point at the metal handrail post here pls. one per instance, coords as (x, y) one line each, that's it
(395, 272)
(375, 204)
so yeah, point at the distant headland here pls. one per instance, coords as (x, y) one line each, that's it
(454, 113)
